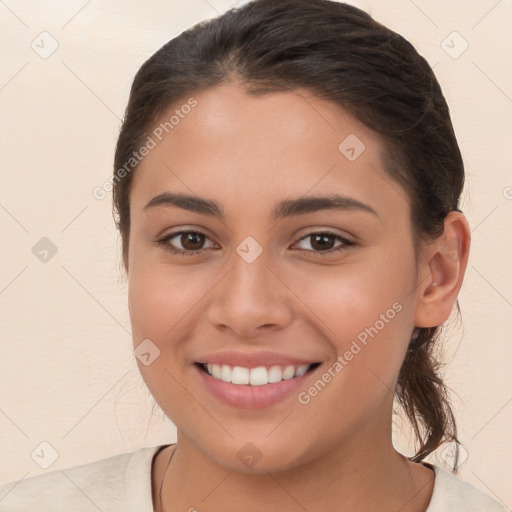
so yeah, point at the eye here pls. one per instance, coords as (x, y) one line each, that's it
(192, 242)
(323, 242)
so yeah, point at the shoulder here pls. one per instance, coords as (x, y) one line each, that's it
(115, 483)
(453, 494)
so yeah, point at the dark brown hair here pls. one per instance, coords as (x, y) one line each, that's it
(341, 55)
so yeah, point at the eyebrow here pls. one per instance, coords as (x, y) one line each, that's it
(285, 208)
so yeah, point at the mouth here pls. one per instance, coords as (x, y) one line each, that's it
(254, 379)
(258, 376)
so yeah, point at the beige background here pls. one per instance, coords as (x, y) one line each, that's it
(67, 372)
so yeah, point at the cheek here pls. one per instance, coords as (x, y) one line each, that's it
(349, 299)
(365, 314)
(159, 297)
(158, 301)
(358, 383)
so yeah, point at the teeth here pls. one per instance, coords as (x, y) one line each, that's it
(240, 375)
(288, 373)
(258, 376)
(255, 376)
(275, 374)
(226, 373)
(301, 370)
(215, 370)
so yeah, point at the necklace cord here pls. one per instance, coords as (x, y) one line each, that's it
(162, 482)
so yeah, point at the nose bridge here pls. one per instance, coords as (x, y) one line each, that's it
(250, 296)
(250, 278)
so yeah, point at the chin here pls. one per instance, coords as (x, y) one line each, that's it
(256, 457)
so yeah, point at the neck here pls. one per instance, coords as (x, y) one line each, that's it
(362, 473)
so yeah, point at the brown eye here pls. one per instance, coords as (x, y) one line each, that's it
(324, 242)
(192, 242)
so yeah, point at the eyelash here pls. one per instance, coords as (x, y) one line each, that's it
(164, 243)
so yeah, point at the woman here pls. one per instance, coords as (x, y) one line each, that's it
(286, 187)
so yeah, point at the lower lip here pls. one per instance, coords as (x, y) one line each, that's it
(252, 397)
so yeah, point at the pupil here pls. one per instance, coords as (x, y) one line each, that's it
(324, 244)
(191, 240)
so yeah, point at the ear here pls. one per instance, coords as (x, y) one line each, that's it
(441, 272)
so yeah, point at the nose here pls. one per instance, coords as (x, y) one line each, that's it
(251, 299)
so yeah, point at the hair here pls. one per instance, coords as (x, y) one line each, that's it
(342, 55)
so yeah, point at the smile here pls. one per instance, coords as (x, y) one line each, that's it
(258, 376)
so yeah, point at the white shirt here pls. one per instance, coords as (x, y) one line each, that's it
(122, 483)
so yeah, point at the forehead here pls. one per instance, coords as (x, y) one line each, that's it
(246, 149)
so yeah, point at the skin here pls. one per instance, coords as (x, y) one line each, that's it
(248, 153)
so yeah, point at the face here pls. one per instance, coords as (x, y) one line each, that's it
(270, 278)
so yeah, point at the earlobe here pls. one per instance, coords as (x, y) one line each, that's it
(443, 267)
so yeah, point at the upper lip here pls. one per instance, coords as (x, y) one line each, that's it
(254, 359)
